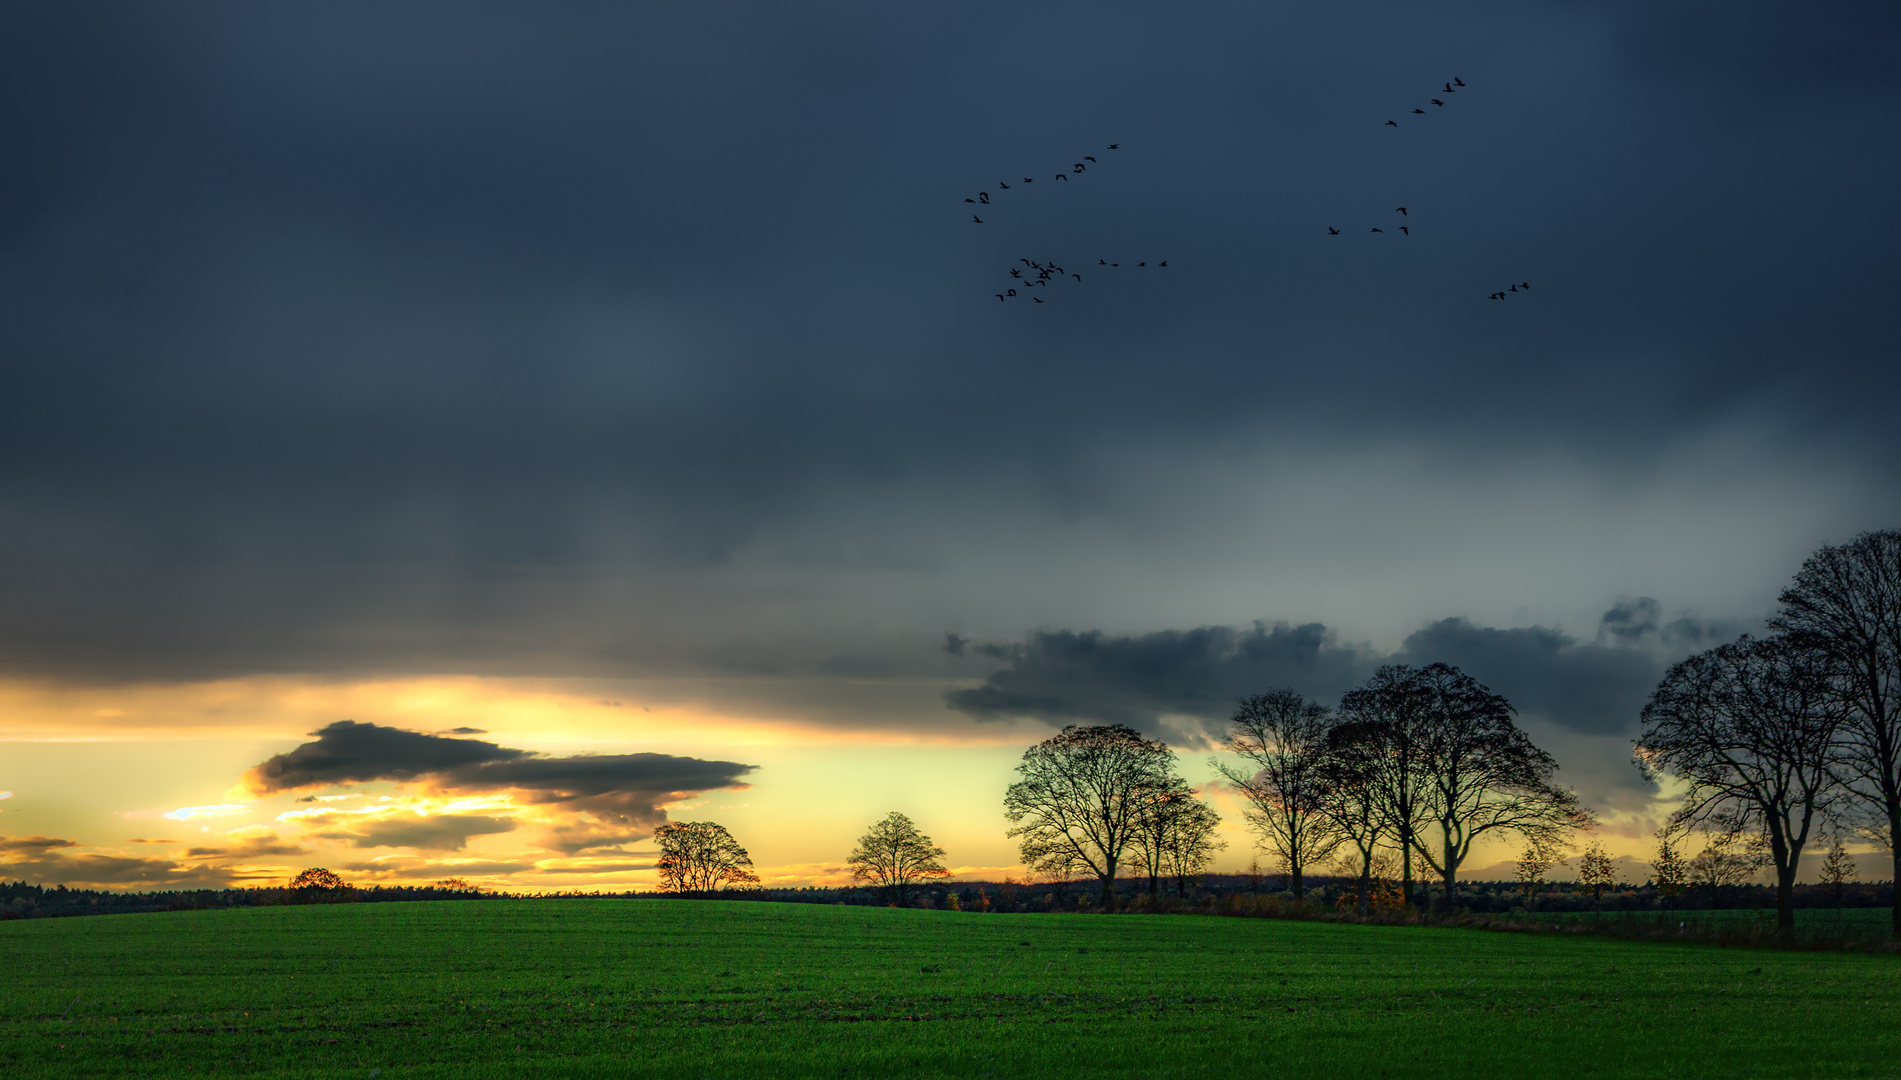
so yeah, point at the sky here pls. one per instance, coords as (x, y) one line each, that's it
(452, 439)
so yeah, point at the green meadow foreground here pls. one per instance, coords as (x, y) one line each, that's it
(683, 988)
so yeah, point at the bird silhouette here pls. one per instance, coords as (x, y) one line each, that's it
(1078, 167)
(1114, 146)
(1421, 112)
(1038, 299)
(1514, 288)
(1392, 123)
(1331, 231)
(1164, 262)
(1078, 277)
(1027, 180)
(999, 297)
(1456, 82)
(1102, 262)
(1086, 157)
(1449, 89)
(976, 219)
(1379, 230)
(1015, 273)
(1062, 176)
(1013, 292)
(1496, 296)
(1141, 264)
(1436, 101)
(1115, 264)
(1524, 284)
(970, 200)
(1401, 209)
(983, 197)
(1405, 230)
(1003, 185)
(1027, 263)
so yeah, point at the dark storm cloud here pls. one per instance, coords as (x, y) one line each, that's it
(359, 337)
(624, 788)
(1589, 688)
(1067, 676)
(347, 752)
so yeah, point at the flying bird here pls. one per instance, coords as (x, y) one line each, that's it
(1102, 262)
(1078, 167)
(1078, 277)
(983, 197)
(1449, 89)
(976, 219)
(1113, 146)
(1436, 101)
(1514, 288)
(1062, 176)
(1421, 112)
(999, 297)
(1379, 230)
(1395, 123)
(1405, 230)
(1400, 209)
(1164, 262)
(1038, 299)
(1524, 284)
(1014, 272)
(1141, 264)
(1456, 82)
(1027, 180)
(1086, 157)
(1003, 185)
(970, 200)
(1331, 231)
(1013, 292)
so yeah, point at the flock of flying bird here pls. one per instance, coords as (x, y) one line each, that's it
(1041, 274)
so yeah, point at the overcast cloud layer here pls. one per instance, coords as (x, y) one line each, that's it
(574, 339)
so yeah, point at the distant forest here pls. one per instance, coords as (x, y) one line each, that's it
(23, 901)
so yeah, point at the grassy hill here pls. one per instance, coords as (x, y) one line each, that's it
(615, 988)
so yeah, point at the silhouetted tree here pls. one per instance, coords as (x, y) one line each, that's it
(1536, 860)
(1444, 752)
(1596, 872)
(1838, 869)
(1079, 803)
(1667, 868)
(1380, 745)
(1281, 738)
(895, 855)
(319, 879)
(1353, 813)
(1729, 858)
(1190, 843)
(701, 857)
(1845, 603)
(1750, 728)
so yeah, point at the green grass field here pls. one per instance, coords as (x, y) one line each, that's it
(689, 989)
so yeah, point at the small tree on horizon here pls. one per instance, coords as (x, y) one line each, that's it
(1668, 869)
(894, 855)
(1538, 858)
(1596, 872)
(318, 878)
(701, 857)
(1838, 869)
(1079, 803)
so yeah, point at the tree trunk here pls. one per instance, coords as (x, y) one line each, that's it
(1785, 899)
(1299, 882)
(1108, 892)
(1406, 870)
(1452, 891)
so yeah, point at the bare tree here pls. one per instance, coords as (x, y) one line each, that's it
(1596, 872)
(895, 855)
(1728, 859)
(1668, 868)
(1538, 859)
(1838, 869)
(701, 857)
(1845, 602)
(1750, 728)
(1079, 805)
(1191, 842)
(1380, 744)
(1281, 738)
(1482, 774)
(1353, 813)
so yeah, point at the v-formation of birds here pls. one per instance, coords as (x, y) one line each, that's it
(1040, 274)
(1451, 88)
